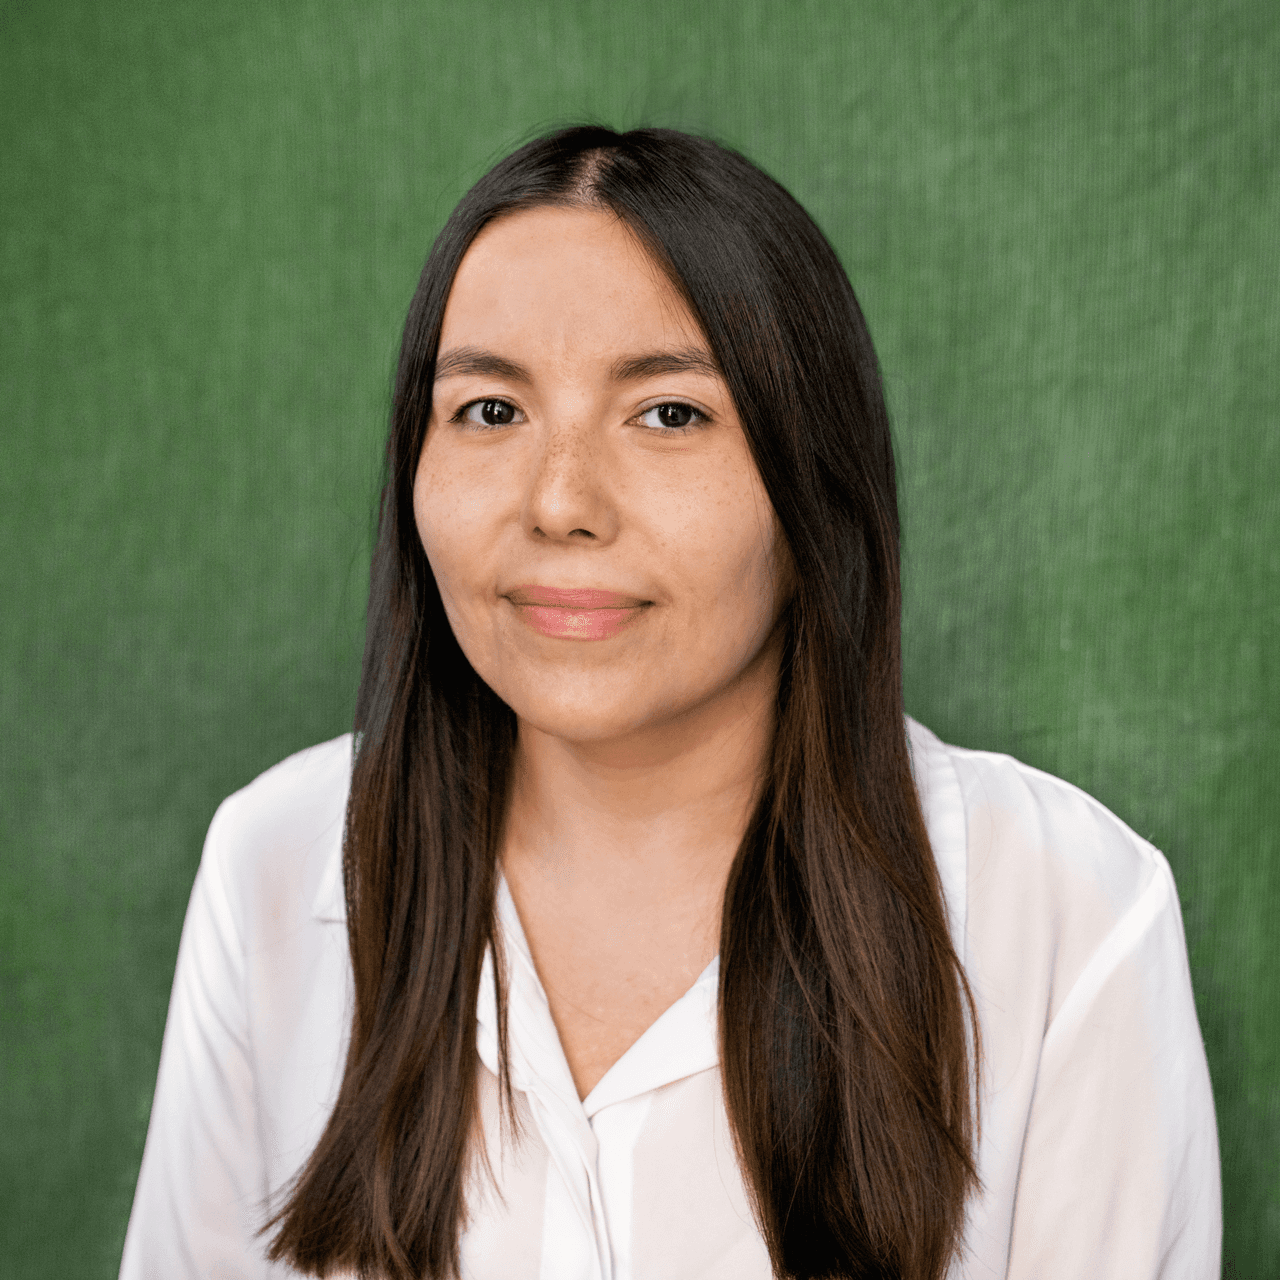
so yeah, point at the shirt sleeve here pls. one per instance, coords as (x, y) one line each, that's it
(200, 1192)
(1120, 1177)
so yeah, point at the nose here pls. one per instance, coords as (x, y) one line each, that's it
(567, 498)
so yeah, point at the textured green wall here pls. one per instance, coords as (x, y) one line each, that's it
(1063, 220)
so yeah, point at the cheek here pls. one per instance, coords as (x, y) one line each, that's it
(432, 530)
(734, 560)
(760, 584)
(444, 520)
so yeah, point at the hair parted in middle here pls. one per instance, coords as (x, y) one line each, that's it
(848, 1038)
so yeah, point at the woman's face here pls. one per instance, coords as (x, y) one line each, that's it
(603, 545)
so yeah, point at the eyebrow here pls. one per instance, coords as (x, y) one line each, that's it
(472, 360)
(463, 361)
(687, 360)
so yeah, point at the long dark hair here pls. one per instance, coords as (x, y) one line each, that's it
(844, 1013)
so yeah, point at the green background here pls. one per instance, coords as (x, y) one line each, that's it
(1062, 219)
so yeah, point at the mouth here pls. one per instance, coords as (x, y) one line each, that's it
(575, 613)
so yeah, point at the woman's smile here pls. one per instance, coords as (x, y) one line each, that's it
(576, 613)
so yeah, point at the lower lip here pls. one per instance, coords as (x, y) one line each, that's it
(578, 624)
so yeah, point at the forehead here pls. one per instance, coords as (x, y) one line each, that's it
(564, 279)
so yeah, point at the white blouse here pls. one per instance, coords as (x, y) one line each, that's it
(1098, 1153)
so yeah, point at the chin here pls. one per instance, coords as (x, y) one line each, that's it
(590, 710)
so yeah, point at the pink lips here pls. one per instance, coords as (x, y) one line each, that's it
(575, 613)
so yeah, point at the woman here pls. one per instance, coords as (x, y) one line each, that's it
(672, 948)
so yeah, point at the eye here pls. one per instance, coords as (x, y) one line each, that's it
(672, 416)
(489, 413)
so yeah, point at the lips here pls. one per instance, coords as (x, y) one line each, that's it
(575, 613)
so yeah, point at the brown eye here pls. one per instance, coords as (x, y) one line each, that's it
(673, 416)
(490, 413)
(496, 413)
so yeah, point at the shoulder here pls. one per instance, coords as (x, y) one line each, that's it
(1095, 1099)
(1024, 819)
(274, 847)
(1051, 877)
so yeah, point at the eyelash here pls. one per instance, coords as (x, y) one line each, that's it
(700, 418)
(461, 415)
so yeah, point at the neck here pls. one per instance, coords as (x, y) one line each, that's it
(657, 811)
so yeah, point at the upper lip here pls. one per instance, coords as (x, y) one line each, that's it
(572, 597)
